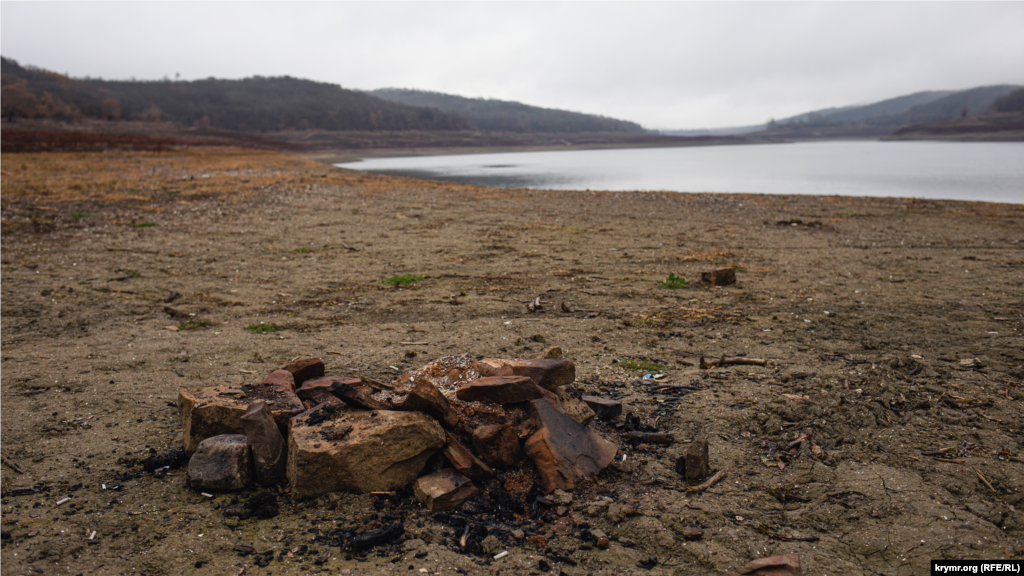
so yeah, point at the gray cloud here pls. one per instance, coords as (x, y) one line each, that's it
(665, 65)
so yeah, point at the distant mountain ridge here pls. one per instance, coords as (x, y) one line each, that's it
(278, 104)
(250, 104)
(875, 119)
(506, 116)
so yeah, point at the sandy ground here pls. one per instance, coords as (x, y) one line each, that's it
(894, 327)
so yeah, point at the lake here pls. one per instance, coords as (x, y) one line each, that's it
(989, 171)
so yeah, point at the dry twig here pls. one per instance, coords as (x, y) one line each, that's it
(711, 481)
(734, 360)
(987, 483)
(13, 466)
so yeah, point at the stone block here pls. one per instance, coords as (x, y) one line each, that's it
(694, 464)
(282, 378)
(305, 369)
(360, 451)
(315, 388)
(604, 408)
(564, 450)
(465, 462)
(572, 406)
(547, 373)
(220, 463)
(497, 445)
(425, 397)
(207, 412)
(266, 443)
(499, 390)
(444, 490)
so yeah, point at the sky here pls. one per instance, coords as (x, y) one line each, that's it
(665, 65)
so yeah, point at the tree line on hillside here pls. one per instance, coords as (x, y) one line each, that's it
(1012, 102)
(274, 104)
(253, 104)
(912, 109)
(504, 116)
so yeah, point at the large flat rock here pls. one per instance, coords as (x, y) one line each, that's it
(315, 389)
(360, 451)
(564, 450)
(547, 373)
(499, 390)
(207, 412)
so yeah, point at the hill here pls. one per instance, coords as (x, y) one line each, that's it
(1004, 123)
(252, 104)
(505, 116)
(887, 116)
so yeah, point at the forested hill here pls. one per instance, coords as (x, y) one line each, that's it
(884, 117)
(504, 116)
(262, 104)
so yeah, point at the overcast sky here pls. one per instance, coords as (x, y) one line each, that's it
(665, 65)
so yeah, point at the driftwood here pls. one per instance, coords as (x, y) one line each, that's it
(13, 466)
(710, 482)
(731, 360)
(663, 438)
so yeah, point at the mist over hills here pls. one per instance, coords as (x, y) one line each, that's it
(505, 116)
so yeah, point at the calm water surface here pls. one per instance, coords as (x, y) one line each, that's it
(939, 170)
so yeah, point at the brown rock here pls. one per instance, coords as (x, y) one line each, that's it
(603, 543)
(425, 397)
(329, 409)
(563, 449)
(604, 408)
(220, 463)
(207, 412)
(546, 372)
(465, 462)
(719, 276)
(360, 451)
(447, 374)
(282, 378)
(498, 446)
(572, 406)
(536, 541)
(551, 352)
(306, 369)
(444, 490)
(315, 388)
(353, 396)
(692, 534)
(499, 390)
(266, 442)
(695, 461)
(786, 565)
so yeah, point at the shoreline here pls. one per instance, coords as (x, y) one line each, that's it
(340, 156)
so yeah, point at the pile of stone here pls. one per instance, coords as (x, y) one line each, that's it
(344, 434)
